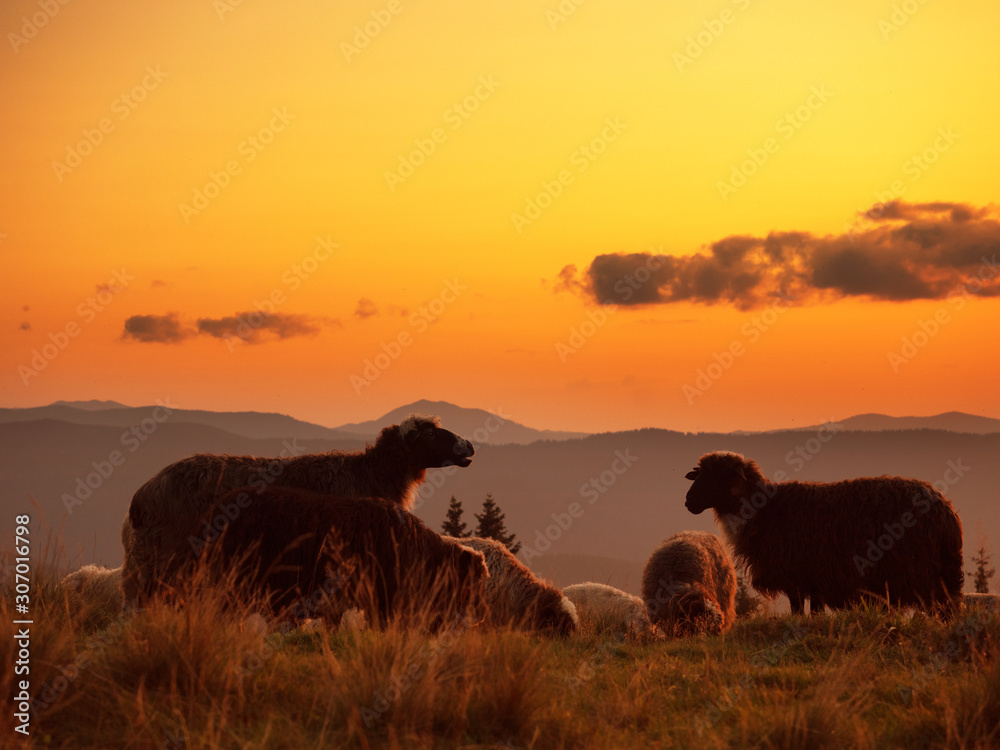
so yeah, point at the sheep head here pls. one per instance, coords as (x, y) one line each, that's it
(694, 612)
(719, 479)
(430, 446)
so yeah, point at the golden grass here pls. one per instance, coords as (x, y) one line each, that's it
(201, 677)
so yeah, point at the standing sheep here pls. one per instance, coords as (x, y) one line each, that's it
(310, 555)
(164, 506)
(514, 596)
(603, 607)
(689, 585)
(833, 543)
(97, 587)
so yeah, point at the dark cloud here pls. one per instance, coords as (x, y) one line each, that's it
(166, 329)
(896, 252)
(365, 309)
(254, 327)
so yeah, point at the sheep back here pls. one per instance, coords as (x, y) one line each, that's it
(602, 607)
(689, 584)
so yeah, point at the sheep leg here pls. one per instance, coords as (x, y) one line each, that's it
(816, 604)
(797, 601)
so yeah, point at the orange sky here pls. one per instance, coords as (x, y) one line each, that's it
(230, 156)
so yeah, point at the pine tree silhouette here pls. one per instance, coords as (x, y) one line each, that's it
(491, 525)
(983, 573)
(453, 524)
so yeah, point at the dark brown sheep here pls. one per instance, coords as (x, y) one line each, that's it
(887, 537)
(392, 469)
(306, 555)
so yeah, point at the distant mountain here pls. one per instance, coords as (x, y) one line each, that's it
(952, 421)
(92, 405)
(477, 425)
(251, 424)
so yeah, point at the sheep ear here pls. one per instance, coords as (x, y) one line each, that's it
(693, 474)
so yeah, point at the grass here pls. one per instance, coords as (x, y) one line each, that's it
(200, 677)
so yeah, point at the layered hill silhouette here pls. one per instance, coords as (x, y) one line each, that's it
(585, 508)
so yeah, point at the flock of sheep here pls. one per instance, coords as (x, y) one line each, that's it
(326, 536)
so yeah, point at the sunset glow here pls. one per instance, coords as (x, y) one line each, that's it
(332, 210)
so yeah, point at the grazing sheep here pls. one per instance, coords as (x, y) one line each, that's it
(392, 469)
(310, 555)
(604, 607)
(889, 537)
(689, 585)
(982, 602)
(515, 597)
(97, 587)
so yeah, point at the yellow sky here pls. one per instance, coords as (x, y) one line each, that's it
(417, 152)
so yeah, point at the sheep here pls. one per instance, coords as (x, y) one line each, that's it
(392, 469)
(603, 607)
(96, 586)
(303, 554)
(689, 585)
(515, 597)
(834, 543)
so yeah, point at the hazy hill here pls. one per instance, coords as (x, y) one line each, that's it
(953, 421)
(625, 489)
(490, 427)
(250, 424)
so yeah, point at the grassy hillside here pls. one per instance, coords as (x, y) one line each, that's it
(199, 677)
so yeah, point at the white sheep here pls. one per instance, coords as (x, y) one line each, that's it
(602, 607)
(96, 587)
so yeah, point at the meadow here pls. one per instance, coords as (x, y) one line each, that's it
(201, 676)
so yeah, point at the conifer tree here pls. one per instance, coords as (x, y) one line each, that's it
(491, 525)
(453, 524)
(983, 573)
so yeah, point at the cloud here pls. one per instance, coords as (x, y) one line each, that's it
(254, 327)
(895, 252)
(365, 309)
(166, 329)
